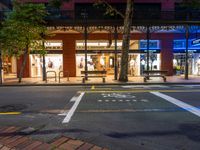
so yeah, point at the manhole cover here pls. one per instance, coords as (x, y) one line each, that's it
(12, 107)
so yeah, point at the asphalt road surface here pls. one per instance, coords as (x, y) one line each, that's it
(150, 117)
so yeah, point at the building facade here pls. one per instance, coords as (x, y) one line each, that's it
(82, 30)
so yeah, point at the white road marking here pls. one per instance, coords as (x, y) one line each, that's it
(127, 100)
(179, 103)
(73, 99)
(72, 110)
(117, 95)
(144, 100)
(134, 100)
(99, 100)
(113, 100)
(120, 100)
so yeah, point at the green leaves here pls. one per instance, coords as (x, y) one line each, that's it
(22, 26)
(191, 4)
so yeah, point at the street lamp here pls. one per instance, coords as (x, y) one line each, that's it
(44, 76)
(84, 15)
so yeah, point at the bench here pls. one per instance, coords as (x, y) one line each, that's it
(94, 74)
(155, 73)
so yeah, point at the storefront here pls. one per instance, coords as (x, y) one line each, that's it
(101, 56)
(9, 65)
(179, 57)
(53, 59)
(154, 55)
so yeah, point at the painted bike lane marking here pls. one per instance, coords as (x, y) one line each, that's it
(70, 113)
(187, 107)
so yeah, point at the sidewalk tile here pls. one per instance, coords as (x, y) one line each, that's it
(17, 142)
(24, 144)
(11, 140)
(71, 144)
(44, 146)
(32, 145)
(85, 146)
(8, 133)
(5, 148)
(96, 148)
(59, 141)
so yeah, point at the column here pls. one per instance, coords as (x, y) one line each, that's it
(69, 55)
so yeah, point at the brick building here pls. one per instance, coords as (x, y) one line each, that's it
(158, 31)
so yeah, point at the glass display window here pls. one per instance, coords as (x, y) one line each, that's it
(53, 62)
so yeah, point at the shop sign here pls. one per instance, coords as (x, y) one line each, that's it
(153, 44)
(151, 51)
(196, 42)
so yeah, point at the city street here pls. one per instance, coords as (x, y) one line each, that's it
(129, 117)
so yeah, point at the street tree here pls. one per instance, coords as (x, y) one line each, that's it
(21, 30)
(123, 75)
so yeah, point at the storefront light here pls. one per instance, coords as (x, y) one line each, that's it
(53, 44)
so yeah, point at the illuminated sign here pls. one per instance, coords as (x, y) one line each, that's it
(180, 46)
(153, 44)
(196, 42)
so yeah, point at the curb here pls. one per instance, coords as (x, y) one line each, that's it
(101, 84)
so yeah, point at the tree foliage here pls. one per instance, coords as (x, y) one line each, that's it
(191, 4)
(22, 28)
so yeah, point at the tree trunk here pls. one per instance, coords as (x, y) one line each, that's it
(23, 64)
(123, 77)
(44, 68)
(1, 68)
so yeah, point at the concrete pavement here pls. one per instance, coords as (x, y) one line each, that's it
(12, 80)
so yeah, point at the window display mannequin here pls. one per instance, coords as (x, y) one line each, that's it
(198, 66)
(50, 64)
(142, 65)
(90, 66)
(132, 67)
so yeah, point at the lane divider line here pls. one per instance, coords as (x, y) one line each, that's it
(187, 107)
(73, 109)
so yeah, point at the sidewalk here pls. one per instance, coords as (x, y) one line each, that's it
(10, 80)
(13, 138)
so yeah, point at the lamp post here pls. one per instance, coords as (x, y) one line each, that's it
(148, 37)
(44, 76)
(186, 52)
(44, 67)
(116, 68)
(85, 15)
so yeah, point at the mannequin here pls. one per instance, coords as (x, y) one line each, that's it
(198, 66)
(142, 65)
(132, 67)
